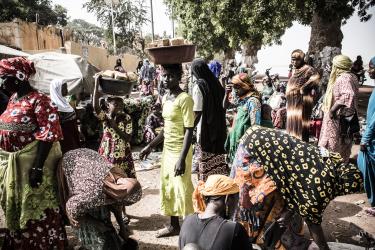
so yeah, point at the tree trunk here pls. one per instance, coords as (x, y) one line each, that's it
(325, 43)
(324, 32)
(250, 54)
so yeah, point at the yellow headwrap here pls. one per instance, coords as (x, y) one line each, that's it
(216, 185)
(340, 64)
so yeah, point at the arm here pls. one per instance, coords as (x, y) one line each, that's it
(36, 172)
(95, 96)
(180, 165)
(228, 89)
(197, 117)
(147, 150)
(369, 133)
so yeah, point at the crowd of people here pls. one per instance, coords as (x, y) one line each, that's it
(258, 184)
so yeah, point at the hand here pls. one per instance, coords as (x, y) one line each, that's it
(35, 177)
(179, 169)
(72, 221)
(363, 147)
(228, 88)
(145, 152)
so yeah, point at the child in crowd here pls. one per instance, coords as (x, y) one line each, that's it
(153, 121)
(115, 144)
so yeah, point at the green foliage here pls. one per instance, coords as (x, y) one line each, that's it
(85, 32)
(129, 18)
(28, 9)
(226, 24)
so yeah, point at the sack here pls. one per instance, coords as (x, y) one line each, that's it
(349, 124)
(118, 187)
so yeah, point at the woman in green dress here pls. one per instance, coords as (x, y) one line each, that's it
(176, 187)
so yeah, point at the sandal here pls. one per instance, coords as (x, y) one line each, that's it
(370, 211)
(167, 231)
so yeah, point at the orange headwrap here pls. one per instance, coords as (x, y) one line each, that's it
(216, 185)
(243, 81)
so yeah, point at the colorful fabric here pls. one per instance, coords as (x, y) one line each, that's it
(48, 232)
(19, 201)
(248, 114)
(32, 117)
(210, 163)
(215, 185)
(176, 192)
(18, 67)
(366, 159)
(57, 98)
(345, 92)
(84, 171)
(340, 64)
(299, 107)
(279, 118)
(115, 149)
(306, 180)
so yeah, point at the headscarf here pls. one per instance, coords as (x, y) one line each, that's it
(213, 130)
(216, 185)
(340, 64)
(215, 68)
(57, 98)
(244, 81)
(18, 67)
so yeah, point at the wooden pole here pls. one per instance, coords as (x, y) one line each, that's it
(152, 21)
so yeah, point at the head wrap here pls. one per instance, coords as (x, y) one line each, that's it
(18, 67)
(340, 64)
(216, 185)
(215, 67)
(57, 98)
(243, 80)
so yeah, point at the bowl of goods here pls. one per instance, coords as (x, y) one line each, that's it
(117, 83)
(171, 51)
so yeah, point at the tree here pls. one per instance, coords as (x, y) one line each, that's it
(129, 18)
(326, 18)
(86, 33)
(28, 10)
(230, 25)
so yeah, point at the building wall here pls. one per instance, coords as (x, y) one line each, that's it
(30, 36)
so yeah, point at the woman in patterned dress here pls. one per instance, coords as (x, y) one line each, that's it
(248, 102)
(117, 132)
(29, 153)
(282, 179)
(340, 99)
(176, 186)
(300, 93)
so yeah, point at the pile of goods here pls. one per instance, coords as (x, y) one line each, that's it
(117, 83)
(171, 51)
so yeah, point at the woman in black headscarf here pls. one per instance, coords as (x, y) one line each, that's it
(208, 95)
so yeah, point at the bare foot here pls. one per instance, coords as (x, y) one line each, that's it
(168, 231)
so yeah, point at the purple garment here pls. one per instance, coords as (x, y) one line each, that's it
(215, 67)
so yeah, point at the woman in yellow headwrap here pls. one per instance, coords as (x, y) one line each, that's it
(248, 102)
(341, 99)
(214, 201)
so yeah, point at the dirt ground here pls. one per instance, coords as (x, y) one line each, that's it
(343, 219)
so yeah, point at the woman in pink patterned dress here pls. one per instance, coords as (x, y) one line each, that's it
(29, 153)
(341, 99)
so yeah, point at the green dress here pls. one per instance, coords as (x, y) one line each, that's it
(176, 192)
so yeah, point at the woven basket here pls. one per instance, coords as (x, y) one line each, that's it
(172, 54)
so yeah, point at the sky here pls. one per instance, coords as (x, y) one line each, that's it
(359, 38)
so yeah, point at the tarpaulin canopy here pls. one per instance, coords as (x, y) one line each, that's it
(72, 69)
(9, 52)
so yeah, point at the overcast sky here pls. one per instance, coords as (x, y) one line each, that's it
(359, 38)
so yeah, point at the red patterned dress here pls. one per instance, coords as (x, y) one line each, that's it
(114, 148)
(32, 117)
